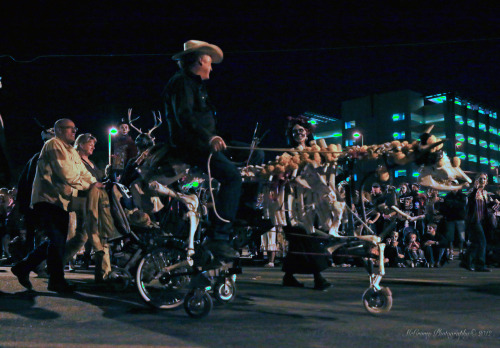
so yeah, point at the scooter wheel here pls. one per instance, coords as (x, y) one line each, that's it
(225, 292)
(198, 303)
(377, 301)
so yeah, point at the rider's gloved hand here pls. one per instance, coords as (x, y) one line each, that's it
(217, 144)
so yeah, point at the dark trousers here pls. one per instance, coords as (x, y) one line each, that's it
(54, 222)
(477, 249)
(30, 223)
(433, 253)
(227, 200)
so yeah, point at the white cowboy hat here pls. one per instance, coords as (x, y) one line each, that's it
(203, 47)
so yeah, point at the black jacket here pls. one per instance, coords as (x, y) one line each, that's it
(25, 184)
(438, 237)
(453, 207)
(190, 114)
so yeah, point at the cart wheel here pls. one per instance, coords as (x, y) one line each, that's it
(377, 301)
(198, 303)
(224, 292)
(119, 279)
(160, 289)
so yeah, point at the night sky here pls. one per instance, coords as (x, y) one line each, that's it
(279, 60)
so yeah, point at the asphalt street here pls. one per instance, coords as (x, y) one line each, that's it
(439, 307)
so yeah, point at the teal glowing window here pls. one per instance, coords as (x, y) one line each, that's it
(349, 142)
(398, 173)
(336, 135)
(469, 106)
(481, 111)
(460, 137)
(495, 179)
(483, 160)
(483, 144)
(350, 124)
(471, 140)
(471, 123)
(398, 135)
(472, 158)
(494, 115)
(461, 155)
(494, 146)
(416, 174)
(398, 117)
(312, 121)
(458, 101)
(493, 130)
(437, 99)
(482, 127)
(494, 163)
(459, 119)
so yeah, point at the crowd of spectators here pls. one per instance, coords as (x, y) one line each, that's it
(435, 235)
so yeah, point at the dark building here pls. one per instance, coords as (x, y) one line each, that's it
(472, 130)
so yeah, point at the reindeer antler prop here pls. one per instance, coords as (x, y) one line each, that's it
(158, 122)
(130, 121)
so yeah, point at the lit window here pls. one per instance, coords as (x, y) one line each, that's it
(472, 158)
(349, 142)
(398, 173)
(460, 137)
(461, 155)
(494, 146)
(459, 119)
(493, 130)
(472, 140)
(494, 115)
(482, 127)
(350, 124)
(481, 111)
(398, 117)
(437, 99)
(416, 174)
(471, 123)
(483, 144)
(483, 160)
(398, 135)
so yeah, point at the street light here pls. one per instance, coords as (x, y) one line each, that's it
(112, 132)
(356, 135)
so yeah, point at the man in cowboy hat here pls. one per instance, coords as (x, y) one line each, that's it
(191, 118)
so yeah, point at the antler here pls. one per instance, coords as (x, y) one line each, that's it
(135, 119)
(158, 122)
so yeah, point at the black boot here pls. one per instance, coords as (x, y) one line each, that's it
(289, 280)
(320, 283)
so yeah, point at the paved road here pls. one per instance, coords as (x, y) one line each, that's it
(439, 307)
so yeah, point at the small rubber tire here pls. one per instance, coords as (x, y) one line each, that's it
(200, 307)
(377, 301)
(225, 292)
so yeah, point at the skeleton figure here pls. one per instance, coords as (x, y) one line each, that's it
(444, 175)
